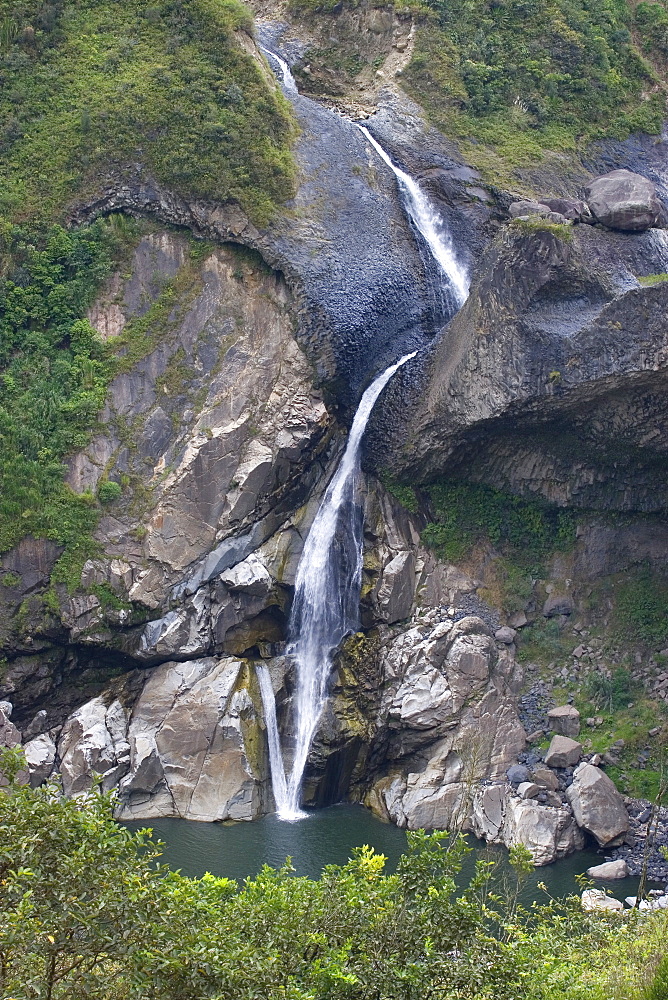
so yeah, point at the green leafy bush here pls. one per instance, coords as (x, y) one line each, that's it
(90, 88)
(54, 372)
(466, 513)
(86, 914)
(108, 491)
(658, 988)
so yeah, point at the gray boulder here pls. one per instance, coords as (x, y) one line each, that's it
(609, 870)
(564, 720)
(545, 778)
(522, 209)
(546, 832)
(571, 208)
(528, 790)
(40, 756)
(394, 597)
(597, 899)
(505, 634)
(624, 200)
(563, 752)
(517, 773)
(597, 805)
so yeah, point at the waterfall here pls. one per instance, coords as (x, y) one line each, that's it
(326, 602)
(288, 78)
(327, 587)
(429, 224)
(275, 757)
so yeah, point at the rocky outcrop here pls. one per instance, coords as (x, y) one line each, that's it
(546, 373)
(188, 746)
(624, 200)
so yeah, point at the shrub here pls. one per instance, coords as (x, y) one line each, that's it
(108, 491)
(641, 608)
(658, 989)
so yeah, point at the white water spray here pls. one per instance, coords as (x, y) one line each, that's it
(326, 602)
(288, 79)
(429, 224)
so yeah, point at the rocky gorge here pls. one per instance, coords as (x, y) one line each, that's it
(222, 433)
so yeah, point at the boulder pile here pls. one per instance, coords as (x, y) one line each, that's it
(620, 200)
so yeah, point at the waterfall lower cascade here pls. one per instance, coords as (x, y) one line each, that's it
(429, 224)
(325, 606)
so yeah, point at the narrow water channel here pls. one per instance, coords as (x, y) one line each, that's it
(327, 837)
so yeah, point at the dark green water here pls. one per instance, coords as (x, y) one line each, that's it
(327, 836)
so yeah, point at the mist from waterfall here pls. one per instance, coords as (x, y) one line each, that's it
(430, 225)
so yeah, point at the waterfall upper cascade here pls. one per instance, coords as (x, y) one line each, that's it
(430, 225)
(325, 606)
(288, 79)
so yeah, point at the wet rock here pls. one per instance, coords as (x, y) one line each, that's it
(563, 752)
(597, 805)
(564, 720)
(624, 200)
(609, 870)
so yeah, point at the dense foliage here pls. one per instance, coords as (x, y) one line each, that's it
(92, 87)
(524, 75)
(86, 913)
(53, 372)
(641, 608)
(465, 513)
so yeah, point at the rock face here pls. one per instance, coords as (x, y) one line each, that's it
(190, 746)
(624, 200)
(547, 349)
(597, 805)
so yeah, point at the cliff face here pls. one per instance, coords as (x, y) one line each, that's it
(240, 362)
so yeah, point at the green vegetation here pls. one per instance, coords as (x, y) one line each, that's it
(466, 513)
(517, 77)
(406, 495)
(87, 914)
(89, 88)
(54, 373)
(652, 279)
(560, 230)
(641, 609)
(108, 491)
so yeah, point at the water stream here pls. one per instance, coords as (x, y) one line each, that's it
(288, 79)
(430, 225)
(327, 586)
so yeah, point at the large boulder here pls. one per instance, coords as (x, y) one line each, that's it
(563, 752)
(564, 720)
(40, 756)
(548, 833)
(597, 899)
(624, 200)
(609, 870)
(597, 805)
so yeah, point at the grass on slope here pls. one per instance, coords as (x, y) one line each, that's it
(522, 76)
(89, 88)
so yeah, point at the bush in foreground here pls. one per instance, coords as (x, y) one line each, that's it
(86, 912)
